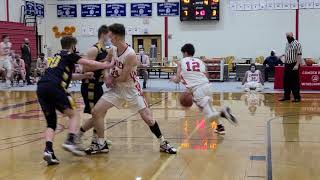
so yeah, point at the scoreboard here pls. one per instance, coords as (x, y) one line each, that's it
(199, 10)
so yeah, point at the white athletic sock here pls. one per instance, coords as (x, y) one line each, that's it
(101, 141)
(161, 139)
(210, 112)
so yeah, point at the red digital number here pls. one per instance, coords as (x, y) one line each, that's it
(195, 66)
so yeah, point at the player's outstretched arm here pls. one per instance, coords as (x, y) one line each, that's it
(176, 79)
(78, 76)
(93, 65)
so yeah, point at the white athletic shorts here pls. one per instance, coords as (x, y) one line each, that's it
(5, 63)
(202, 94)
(253, 85)
(131, 97)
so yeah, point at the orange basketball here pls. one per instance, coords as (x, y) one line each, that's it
(186, 99)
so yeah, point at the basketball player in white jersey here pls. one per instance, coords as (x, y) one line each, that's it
(5, 58)
(125, 87)
(253, 79)
(192, 73)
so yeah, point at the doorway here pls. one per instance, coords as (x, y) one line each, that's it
(146, 41)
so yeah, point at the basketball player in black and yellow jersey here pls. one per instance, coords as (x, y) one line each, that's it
(92, 89)
(53, 95)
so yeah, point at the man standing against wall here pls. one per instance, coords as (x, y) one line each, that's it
(144, 63)
(293, 54)
(26, 56)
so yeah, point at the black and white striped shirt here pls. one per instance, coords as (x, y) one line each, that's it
(293, 50)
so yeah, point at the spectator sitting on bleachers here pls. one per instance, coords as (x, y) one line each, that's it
(270, 63)
(253, 79)
(42, 64)
(19, 69)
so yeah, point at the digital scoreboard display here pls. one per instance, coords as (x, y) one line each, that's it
(199, 10)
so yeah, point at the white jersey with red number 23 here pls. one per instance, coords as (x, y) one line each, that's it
(254, 76)
(193, 72)
(120, 60)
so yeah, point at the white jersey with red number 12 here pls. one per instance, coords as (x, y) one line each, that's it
(193, 72)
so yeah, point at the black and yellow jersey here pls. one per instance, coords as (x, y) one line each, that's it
(98, 74)
(60, 69)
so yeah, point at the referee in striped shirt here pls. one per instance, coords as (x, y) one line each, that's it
(293, 59)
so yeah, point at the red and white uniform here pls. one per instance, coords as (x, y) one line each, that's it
(194, 78)
(254, 76)
(5, 59)
(128, 91)
(193, 72)
(253, 81)
(19, 67)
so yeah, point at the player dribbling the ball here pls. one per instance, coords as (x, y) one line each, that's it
(192, 73)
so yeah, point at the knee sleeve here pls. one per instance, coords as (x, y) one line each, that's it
(51, 121)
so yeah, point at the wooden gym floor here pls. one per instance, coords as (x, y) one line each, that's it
(278, 141)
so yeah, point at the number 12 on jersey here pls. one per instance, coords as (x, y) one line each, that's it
(194, 66)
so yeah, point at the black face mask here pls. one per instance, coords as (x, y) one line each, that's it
(290, 39)
(27, 43)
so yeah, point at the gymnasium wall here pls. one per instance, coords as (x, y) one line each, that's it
(242, 34)
(14, 13)
(309, 32)
(14, 9)
(3, 12)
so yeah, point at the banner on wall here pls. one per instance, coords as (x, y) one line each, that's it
(310, 78)
(90, 10)
(141, 9)
(168, 9)
(30, 9)
(66, 10)
(39, 10)
(256, 5)
(116, 9)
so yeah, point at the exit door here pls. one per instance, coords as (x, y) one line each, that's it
(146, 41)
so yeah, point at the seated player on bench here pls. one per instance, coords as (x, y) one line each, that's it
(253, 79)
(19, 69)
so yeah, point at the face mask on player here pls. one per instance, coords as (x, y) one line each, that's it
(6, 40)
(141, 52)
(107, 42)
(74, 49)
